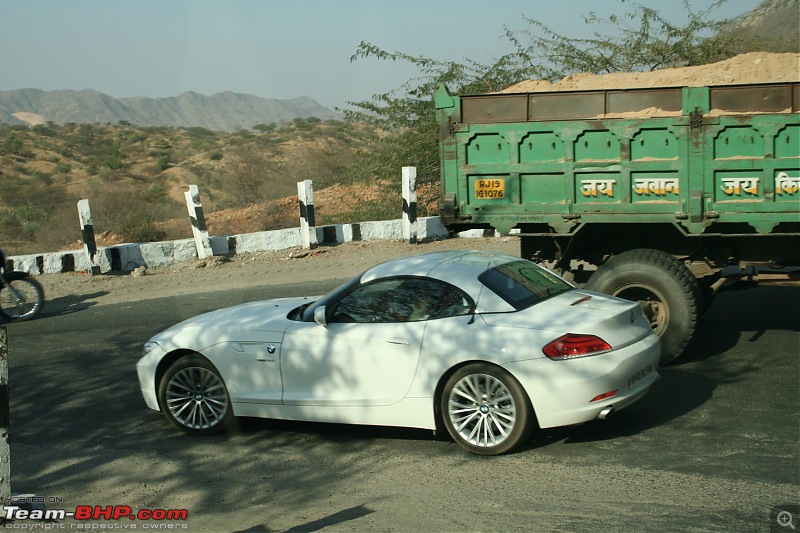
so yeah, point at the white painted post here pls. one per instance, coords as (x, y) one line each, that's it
(5, 421)
(410, 204)
(87, 232)
(198, 220)
(305, 200)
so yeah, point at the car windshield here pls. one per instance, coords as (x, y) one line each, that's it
(522, 283)
(307, 313)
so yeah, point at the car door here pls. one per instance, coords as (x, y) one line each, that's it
(368, 352)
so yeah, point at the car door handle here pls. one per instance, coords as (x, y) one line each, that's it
(397, 340)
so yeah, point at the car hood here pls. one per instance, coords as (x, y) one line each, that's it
(253, 321)
(619, 322)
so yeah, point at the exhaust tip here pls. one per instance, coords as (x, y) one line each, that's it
(605, 413)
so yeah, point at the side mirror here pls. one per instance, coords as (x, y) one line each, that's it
(319, 316)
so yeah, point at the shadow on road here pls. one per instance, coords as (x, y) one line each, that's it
(332, 520)
(742, 314)
(265, 429)
(722, 352)
(675, 395)
(70, 304)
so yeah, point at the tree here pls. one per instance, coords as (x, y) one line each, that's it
(639, 40)
(265, 128)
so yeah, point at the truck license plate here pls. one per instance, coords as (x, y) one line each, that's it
(490, 188)
(640, 375)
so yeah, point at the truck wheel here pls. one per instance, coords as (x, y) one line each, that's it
(667, 291)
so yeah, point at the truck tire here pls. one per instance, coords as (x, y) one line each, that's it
(668, 292)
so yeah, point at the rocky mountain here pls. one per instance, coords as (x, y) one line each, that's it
(226, 111)
(773, 24)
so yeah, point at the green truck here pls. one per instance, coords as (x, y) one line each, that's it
(659, 195)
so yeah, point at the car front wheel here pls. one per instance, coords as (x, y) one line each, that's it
(194, 398)
(485, 409)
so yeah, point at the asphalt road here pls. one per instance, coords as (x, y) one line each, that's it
(713, 448)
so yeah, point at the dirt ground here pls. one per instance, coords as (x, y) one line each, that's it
(292, 265)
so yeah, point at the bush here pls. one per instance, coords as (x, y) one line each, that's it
(113, 160)
(145, 231)
(163, 162)
(12, 144)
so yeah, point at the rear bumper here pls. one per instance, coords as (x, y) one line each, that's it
(561, 392)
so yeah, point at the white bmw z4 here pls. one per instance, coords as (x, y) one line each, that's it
(487, 346)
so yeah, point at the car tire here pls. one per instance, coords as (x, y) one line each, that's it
(194, 397)
(668, 292)
(485, 409)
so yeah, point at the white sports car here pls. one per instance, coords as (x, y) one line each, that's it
(485, 345)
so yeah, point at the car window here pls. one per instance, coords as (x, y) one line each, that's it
(522, 283)
(402, 300)
(306, 313)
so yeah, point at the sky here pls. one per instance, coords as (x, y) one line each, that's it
(271, 48)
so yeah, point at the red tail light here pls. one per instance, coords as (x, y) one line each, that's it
(573, 345)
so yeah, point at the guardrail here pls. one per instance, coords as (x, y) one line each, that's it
(128, 257)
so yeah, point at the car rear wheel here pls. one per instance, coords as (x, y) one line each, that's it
(485, 409)
(194, 398)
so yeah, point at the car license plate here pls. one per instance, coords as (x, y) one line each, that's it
(487, 189)
(640, 375)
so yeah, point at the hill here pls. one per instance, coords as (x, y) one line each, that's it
(226, 111)
(773, 25)
(135, 177)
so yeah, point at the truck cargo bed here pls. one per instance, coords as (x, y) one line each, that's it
(707, 160)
